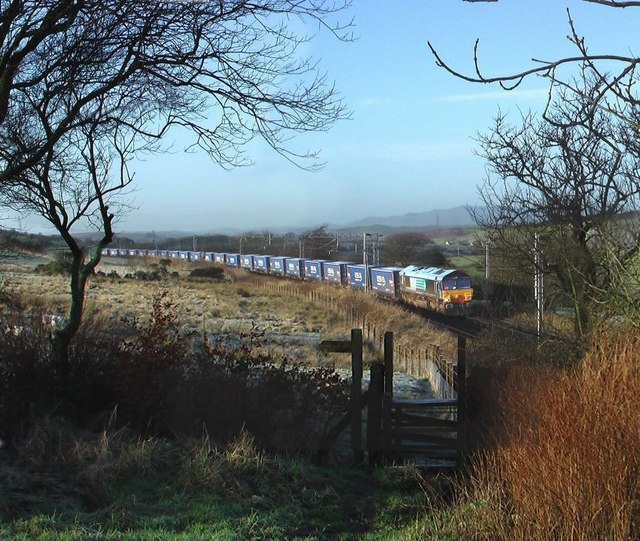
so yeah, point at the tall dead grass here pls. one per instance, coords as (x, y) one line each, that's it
(566, 463)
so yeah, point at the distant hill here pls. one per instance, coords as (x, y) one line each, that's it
(457, 216)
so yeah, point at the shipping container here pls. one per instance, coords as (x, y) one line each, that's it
(295, 267)
(313, 269)
(356, 276)
(232, 260)
(261, 263)
(220, 258)
(385, 280)
(335, 272)
(277, 265)
(246, 261)
(209, 256)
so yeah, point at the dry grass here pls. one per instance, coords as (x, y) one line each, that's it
(294, 324)
(567, 462)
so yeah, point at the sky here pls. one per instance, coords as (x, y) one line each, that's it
(409, 146)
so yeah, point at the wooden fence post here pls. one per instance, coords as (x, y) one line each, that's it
(461, 386)
(356, 394)
(413, 362)
(388, 393)
(374, 414)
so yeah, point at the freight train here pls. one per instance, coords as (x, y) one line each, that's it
(448, 291)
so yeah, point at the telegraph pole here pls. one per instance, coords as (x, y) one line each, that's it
(364, 261)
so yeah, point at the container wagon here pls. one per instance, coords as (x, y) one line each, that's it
(232, 260)
(313, 269)
(295, 267)
(386, 280)
(261, 263)
(277, 265)
(335, 272)
(246, 261)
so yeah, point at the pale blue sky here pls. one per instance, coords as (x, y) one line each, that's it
(409, 146)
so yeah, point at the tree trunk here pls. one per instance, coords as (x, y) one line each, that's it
(62, 337)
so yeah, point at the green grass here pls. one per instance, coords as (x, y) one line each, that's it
(199, 492)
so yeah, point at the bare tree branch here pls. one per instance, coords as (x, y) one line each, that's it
(617, 81)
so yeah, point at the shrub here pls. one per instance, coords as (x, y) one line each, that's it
(161, 386)
(214, 273)
(26, 375)
(243, 292)
(61, 265)
(144, 276)
(566, 464)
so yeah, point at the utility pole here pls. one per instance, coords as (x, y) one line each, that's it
(375, 251)
(364, 261)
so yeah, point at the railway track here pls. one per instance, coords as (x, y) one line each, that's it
(459, 325)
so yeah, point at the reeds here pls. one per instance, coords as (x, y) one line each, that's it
(566, 462)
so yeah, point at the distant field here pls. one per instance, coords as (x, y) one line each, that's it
(292, 324)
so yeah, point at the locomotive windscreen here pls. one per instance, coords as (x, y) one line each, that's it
(456, 283)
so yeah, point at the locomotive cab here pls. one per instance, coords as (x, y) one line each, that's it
(445, 290)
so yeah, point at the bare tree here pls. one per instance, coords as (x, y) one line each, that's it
(82, 180)
(570, 182)
(27, 27)
(89, 84)
(319, 243)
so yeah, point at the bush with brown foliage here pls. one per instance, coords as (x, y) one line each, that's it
(566, 460)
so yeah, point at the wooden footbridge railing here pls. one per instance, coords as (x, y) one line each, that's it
(427, 432)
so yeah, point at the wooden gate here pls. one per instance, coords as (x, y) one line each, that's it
(429, 433)
(424, 432)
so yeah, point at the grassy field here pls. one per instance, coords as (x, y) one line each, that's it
(119, 487)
